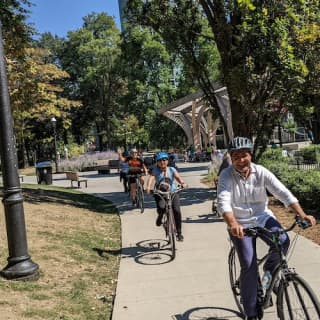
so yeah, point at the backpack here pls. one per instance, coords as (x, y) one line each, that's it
(164, 184)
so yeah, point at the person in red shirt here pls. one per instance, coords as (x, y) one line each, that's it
(136, 166)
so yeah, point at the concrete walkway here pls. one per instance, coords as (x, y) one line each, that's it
(196, 284)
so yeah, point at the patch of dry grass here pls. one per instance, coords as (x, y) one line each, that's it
(75, 239)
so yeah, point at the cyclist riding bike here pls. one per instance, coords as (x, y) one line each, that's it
(243, 202)
(136, 167)
(164, 176)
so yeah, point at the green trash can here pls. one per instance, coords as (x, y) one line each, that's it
(44, 172)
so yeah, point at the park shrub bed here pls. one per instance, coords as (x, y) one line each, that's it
(87, 162)
(304, 184)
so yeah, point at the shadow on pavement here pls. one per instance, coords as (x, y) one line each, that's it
(208, 313)
(193, 169)
(188, 196)
(203, 218)
(146, 252)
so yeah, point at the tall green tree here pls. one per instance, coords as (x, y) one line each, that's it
(154, 78)
(91, 56)
(16, 33)
(257, 46)
(165, 64)
(257, 41)
(35, 98)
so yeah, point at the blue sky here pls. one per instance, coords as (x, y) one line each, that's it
(61, 16)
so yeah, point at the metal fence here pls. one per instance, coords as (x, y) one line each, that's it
(303, 165)
(287, 137)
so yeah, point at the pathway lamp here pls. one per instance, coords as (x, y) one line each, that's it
(19, 266)
(125, 136)
(54, 125)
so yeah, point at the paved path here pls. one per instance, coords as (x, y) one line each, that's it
(193, 286)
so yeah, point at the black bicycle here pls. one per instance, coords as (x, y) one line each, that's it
(139, 191)
(295, 298)
(168, 221)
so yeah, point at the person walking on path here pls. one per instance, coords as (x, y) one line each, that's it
(243, 202)
(163, 174)
(124, 170)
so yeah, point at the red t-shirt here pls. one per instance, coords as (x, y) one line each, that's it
(135, 165)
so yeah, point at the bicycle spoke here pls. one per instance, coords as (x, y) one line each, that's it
(141, 202)
(297, 300)
(172, 235)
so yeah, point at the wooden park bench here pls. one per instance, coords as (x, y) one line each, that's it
(74, 176)
(114, 164)
(21, 177)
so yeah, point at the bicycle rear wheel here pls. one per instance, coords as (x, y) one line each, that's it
(171, 234)
(137, 196)
(296, 300)
(234, 276)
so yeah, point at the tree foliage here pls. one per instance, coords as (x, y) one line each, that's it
(262, 63)
(91, 56)
(258, 43)
(183, 31)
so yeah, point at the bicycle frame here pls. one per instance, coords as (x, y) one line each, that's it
(169, 224)
(295, 298)
(139, 191)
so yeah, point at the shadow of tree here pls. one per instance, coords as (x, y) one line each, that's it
(71, 197)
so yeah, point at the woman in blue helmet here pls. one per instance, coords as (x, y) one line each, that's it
(163, 173)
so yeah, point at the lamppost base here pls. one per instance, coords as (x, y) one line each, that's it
(22, 270)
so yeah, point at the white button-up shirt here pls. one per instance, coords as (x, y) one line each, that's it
(247, 198)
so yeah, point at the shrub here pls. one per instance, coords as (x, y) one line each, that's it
(273, 155)
(310, 154)
(304, 184)
(87, 161)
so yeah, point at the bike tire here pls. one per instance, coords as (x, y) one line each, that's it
(296, 300)
(141, 199)
(171, 234)
(234, 276)
(137, 196)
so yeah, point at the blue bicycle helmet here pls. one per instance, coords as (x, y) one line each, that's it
(162, 155)
(240, 143)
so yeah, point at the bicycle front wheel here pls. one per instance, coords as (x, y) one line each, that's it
(296, 300)
(171, 234)
(234, 276)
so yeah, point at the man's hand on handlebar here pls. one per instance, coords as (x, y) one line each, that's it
(310, 219)
(236, 230)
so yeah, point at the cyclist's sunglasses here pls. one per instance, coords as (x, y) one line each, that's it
(163, 159)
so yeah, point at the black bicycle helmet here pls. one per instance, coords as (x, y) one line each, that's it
(240, 143)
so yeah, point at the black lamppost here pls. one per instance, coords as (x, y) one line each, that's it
(125, 136)
(19, 266)
(54, 125)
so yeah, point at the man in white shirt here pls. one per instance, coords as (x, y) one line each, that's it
(243, 202)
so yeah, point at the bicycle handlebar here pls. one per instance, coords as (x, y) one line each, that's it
(166, 193)
(135, 175)
(254, 231)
